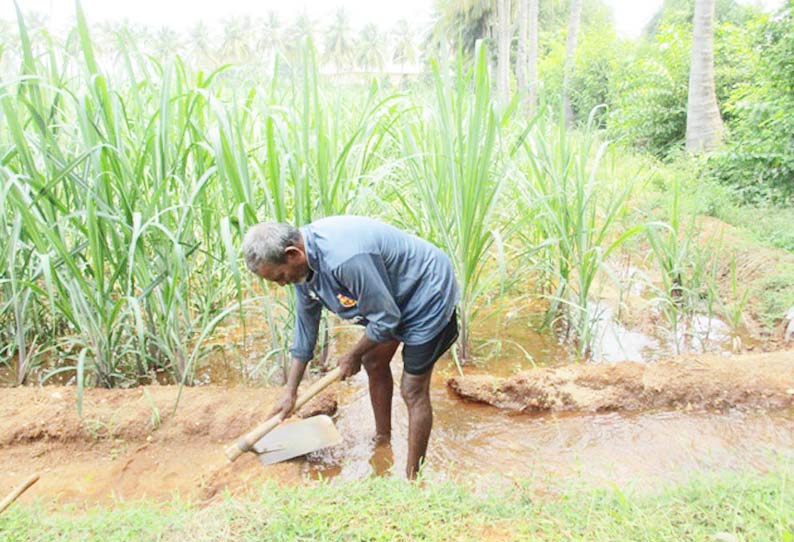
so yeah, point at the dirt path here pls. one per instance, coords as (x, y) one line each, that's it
(753, 381)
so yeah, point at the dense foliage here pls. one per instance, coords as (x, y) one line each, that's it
(644, 85)
(131, 162)
(759, 154)
(649, 96)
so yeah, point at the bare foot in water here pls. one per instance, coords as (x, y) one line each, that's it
(382, 458)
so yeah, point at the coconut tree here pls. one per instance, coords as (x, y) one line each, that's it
(269, 40)
(405, 51)
(521, 55)
(300, 32)
(370, 53)
(570, 57)
(503, 50)
(703, 121)
(200, 39)
(236, 46)
(532, 55)
(302, 28)
(166, 43)
(118, 40)
(460, 24)
(527, 60)
(338, 41)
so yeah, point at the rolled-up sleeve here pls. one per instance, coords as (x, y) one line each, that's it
(366, 278)
(307, 322)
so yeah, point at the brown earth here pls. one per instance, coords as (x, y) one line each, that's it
(129, 445)
(754, 267)
(697, 382)
(759, 272)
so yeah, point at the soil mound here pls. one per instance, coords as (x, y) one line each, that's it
(130, 444)
(755, 381)
(214, 413)
(762, 270)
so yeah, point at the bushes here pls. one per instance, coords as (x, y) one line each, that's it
(650, 92)
(650, 89)
(754, 72)
(597, 60)
(759, 154)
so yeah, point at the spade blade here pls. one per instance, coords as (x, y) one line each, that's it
(297, 438)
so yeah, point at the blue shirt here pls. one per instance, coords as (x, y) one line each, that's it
(397, 285)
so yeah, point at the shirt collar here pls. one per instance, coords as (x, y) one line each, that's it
(312, 255)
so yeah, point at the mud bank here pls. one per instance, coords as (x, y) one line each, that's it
(701, 382)
(129, 444)
(214, 413)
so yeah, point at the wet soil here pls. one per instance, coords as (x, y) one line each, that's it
(759, 269)
(130, 444)
(754, 381)
(630, 322)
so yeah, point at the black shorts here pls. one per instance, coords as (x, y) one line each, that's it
(420, 358)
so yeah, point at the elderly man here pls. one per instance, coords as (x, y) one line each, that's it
(400, 287)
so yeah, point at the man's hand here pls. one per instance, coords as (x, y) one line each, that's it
(285, 404)
(349, 365)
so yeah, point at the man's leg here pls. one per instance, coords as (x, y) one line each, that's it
(381, 386)
(415, 390)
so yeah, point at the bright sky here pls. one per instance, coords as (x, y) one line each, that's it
(630, 15)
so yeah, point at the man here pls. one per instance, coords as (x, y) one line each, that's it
(400, 287)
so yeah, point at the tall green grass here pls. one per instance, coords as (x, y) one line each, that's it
(688, 272)
(126, 201)
(454, 161)
(127, 185)
(574, 214)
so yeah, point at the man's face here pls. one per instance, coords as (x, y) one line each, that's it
(293, 271)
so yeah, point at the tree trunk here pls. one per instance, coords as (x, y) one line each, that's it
(532, 68)
(521, 61)
(703, 120)
(570, 59)
(503, 50)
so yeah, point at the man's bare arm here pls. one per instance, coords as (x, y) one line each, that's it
(350, 363)
(286, 403)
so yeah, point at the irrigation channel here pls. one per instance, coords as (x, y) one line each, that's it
(129, 446)
(602, 448)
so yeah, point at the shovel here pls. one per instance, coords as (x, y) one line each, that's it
(292, 439)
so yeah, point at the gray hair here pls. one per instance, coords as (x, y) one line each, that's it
(266, 243)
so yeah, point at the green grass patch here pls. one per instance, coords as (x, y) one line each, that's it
(776, 295)
(124, 522)
(769, 225)
(728, 506)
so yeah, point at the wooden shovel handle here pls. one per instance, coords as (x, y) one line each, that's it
(247, 441)
(18, 491)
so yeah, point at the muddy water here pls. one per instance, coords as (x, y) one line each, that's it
(477, 441)
(615, 342)
(471, 440)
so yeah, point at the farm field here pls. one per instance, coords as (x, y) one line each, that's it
(616, 211)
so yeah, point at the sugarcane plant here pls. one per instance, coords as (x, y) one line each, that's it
(574, 216)
(455, 170)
